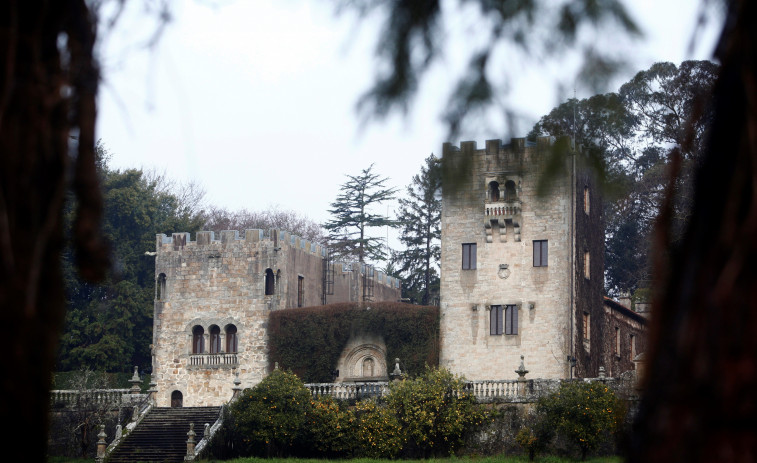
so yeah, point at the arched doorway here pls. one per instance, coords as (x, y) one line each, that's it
(177, 399)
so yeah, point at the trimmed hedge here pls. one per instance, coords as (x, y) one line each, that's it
(309, 341)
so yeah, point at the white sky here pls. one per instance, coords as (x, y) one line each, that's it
(255, 100)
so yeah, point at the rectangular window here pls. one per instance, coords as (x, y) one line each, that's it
(469, 256)
(633, 347)
(300, 291)
(541, 253)
(586, 200)
(511, 319)
(587, 265)
(503, 317)
(587, 326)
(495, 320)
(617, 341)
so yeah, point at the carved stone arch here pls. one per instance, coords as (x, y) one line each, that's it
(366, 354)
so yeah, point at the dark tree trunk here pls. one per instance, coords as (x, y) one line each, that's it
(48, 85)
(700, 397)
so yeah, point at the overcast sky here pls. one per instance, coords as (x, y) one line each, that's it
(255, 100)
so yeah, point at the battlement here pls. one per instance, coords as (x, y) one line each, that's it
(495, 146)
(276, 238)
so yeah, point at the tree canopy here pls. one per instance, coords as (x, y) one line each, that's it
(354, 215)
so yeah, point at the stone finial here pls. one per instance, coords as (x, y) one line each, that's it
(602, 374)
(152, 392)
(119, 432)
(397, 374)
(101, 444)
(521, 370)
(135, 382)
(191, 442)
(275, 365)
(206, 430)
(135, 413)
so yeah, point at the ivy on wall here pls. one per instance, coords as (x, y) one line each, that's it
(310, 340)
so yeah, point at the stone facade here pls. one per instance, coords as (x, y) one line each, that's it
(625, 340)
(521, 272)
(213, 298)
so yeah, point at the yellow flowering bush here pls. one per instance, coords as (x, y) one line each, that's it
(329, 426)
(583, 412)
(269, 417)
(378, 434)
(435, 412)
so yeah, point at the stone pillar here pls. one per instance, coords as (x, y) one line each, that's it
(190, 443)
(237, 389)
(101, 444)
(397, 374)
(152, 393)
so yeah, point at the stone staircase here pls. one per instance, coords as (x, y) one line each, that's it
(162, 435)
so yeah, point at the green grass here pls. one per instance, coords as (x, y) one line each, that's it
(519, 459)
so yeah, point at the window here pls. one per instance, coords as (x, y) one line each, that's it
(161, 286)
(633, 347)
(541, 253)
(495, 320)
(510, 193)
(511, 319)
(617, 341)
(493, 191)
(300, 291)
(269, 282)
(503, 317)
(215, 339)
(586, 200)
(177, 399)
(198, 340)
(469, 256)
(232, 345)
(587, 265)
(587, 326)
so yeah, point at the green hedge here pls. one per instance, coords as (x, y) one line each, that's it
(308, 341)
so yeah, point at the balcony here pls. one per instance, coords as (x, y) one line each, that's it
(502, 209)
(219, 360)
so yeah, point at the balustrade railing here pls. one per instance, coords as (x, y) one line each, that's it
(75, 397)
(213, 360)
(502, 208)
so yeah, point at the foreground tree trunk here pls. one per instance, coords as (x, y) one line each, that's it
(700, 397)
(48, 85)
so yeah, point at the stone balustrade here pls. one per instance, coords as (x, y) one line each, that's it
(506, 390)
(502, 208)
(74, 398)
(213, 360)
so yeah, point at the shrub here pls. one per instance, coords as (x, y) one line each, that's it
(410, 332)
(582, 412)
(269, 417)
(435, 411)
(329, 428)
(378, 434)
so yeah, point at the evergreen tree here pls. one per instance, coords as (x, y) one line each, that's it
(352, 217)
(419, 219)
(109, 326)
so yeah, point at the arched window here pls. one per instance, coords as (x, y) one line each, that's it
(177, 399)
(269, 282)
(510, 193)
(161, 286)
(215, 339)
(198, 340)
(493, 191)
(231, 339)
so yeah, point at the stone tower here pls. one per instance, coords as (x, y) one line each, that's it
(522, 273)
(213, 298)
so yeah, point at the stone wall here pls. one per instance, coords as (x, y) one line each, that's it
(230, 284)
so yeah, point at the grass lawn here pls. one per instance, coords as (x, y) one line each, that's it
(523, 459)
(544, 459)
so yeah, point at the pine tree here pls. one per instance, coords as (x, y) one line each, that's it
(419, 218)
(353, 217)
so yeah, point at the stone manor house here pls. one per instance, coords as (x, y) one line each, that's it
(521, 275)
